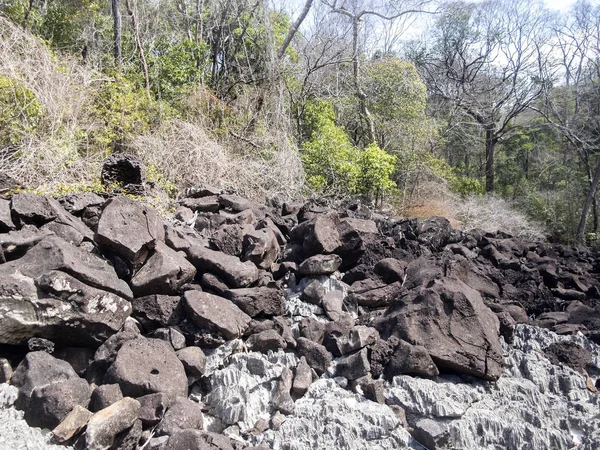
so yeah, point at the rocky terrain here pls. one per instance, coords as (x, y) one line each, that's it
(287, 326)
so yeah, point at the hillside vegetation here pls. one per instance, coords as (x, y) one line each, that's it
(492, 110)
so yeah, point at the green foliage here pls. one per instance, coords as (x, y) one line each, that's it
(329, 157)
(154, 175)
(177, 67)
(375, 169)
(20, 112)
(334, 166)
(120, 111)
(397, 98)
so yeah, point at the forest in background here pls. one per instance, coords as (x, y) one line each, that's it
(485, 112)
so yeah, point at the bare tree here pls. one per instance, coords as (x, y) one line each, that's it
(485, 60)
(572, 104)
(117, 48)
(357, 11)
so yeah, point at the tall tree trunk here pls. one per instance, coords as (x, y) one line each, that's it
(365, 114)
(294, 29)
(199, 22)
(588, 202)
(140, 48)
(117, 32)
(490, 147)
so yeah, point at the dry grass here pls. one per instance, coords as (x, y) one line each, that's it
(187, 156)
(492, 214)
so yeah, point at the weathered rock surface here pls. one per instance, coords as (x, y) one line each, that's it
(236, 273)
(105, 425)
(259, 301)
(164, 273)
(183, 414)
(450, 320)
(529, 403)
(216, 314)
(331, 417)
(129, 229)
(146, 366)
(56, 306)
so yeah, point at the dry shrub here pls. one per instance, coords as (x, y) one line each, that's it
(492, 214)
(186, 156)
(51, 156)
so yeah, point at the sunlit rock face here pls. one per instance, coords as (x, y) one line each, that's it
(534, 405)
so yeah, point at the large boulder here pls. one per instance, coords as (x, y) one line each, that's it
(164, 273)
(121, 170)
(450, 320)
(58, 307)
(54, 253)
(259, 301)
(261, 247)
(327, 234)
(216, 314)
(49, 389)
(146, 366)
(234, 272)
(156, 311)
(130, 229)
(104, 426)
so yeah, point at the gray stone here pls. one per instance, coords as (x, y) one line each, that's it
(145, 366)
(17, 242)
(105, 425)
(104, 396)
(266, 340)
(152, 408)
(378, 297)
(354, 366)
(164, 273)
(32, 208)
(233, 271)
(332, 305)
(72, 424)
(320, 265)
(193, 360)
(121, 170)
(391, 269)
(6, 370)
(198, 440)
(56, 306)
(76, 203)
(171, 335)
(435, 315)
(50, 404)
(261, 247)
(316, 355)
(258, 301)
(410, 359)
(79, 357)
(130, 229)
(302, 378)
(182, 414)
(216, 314)
(6, 222)
(53, 253)
(201, 204)
(282, 400)
(433, 434)
(156, 311)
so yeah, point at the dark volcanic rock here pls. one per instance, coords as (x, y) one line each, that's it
(53, 253)
(410, 359)
(184, 414)
(320, 265)
(261, 247)
(58, 307)
(145, 366)
(382, 296)
(193, 360)
(104, 426)
(152, 408)
(234, 272)
(450, 320)
(570, 354)
(266, 340)
(48, 389)
(316, 355)
(216, 314)
(121, 170)
(259, 301)
(391, 269)
(130, 229)
(104, 396)
(164, 273)
(354, 366)
(155, 311)
(198, 440)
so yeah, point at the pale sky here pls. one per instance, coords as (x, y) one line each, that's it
(560, 5)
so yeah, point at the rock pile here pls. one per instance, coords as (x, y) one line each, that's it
(211, 331)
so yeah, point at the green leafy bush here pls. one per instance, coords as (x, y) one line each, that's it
(376, 167)
(20, 112)
(329, 158)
